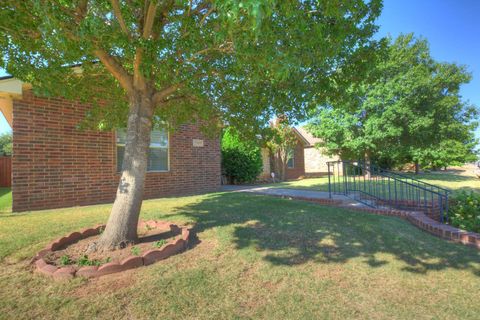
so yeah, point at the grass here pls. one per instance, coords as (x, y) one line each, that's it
(257, 257)
(452, 181)
(318, 184)
(5, 200)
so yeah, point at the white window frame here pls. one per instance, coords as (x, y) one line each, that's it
(149, 147)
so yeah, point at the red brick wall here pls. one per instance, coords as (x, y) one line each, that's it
(56, 165)
(299, 163)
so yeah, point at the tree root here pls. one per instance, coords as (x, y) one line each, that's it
(99, 246)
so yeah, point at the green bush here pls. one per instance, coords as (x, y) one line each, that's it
(6, 144)
(464, 211)
(241, 160)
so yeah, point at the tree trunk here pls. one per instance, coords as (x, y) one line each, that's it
(121, 228)
(368, 164)
(281, 164)
(417, 167)
(272, 166)
(284, 165)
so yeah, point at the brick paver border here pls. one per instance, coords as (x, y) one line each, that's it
(149, 257)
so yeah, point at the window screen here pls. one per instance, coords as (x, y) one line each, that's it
(157, 154)
(291, 159)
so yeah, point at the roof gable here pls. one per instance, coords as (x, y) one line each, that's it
(309, 139)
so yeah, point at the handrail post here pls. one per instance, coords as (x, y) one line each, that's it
(395, 186)
(389, 192)
(446, 203)
(425, 199)
(329, 182)
(441, 207)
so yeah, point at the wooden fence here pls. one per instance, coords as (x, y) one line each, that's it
(5, 172)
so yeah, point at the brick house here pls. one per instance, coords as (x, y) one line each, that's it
(315, 159)
(306, 159)
(295, 165)
(56, 165)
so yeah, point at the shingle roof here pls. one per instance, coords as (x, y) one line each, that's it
(307, 136)
(6, 77)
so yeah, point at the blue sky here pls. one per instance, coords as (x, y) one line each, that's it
(452, 28)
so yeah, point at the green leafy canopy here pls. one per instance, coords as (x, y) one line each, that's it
(6, 146)
(411, 112)
(238, 61)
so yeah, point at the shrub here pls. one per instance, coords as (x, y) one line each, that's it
(464, 211)
(241, 159)
(135, 251)
(160, 243)
(85, 261)
(65, 260)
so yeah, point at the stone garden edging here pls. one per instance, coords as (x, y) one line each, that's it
(131, 262)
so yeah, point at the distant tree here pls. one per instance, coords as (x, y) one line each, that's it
(412, 112)
(210, 61)
(280, 141)
(446, 153)
(241, 158)
(6, 144)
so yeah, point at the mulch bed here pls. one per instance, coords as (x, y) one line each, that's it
(76, 253)
(65, 258)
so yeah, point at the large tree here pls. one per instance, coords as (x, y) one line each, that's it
(237, 61)
(410, 110)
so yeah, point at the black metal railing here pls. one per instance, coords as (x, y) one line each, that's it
(380, 188)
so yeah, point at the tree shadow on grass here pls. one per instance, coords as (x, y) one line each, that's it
(287, 232)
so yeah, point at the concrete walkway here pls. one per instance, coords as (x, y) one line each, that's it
(294, 193)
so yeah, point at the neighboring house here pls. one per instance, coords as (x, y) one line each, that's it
(315, 158)
(295, 165)
(306, 160)
(56, 165)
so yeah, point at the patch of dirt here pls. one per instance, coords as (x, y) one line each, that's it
(76, 253)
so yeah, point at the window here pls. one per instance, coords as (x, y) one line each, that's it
(291, 159)
(157, 154)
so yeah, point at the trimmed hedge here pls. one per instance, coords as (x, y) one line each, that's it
(241, 159)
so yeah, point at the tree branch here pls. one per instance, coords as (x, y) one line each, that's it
(118, 14)
(149, 19)
(160, 22)
(115, 69)
(161, 95)
(81, 11)
(138, 79)
(224, 47)
(206, 15)
(182, 97)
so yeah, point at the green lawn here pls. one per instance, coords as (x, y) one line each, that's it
(5, 200)
(451, 181)
(257, 257)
